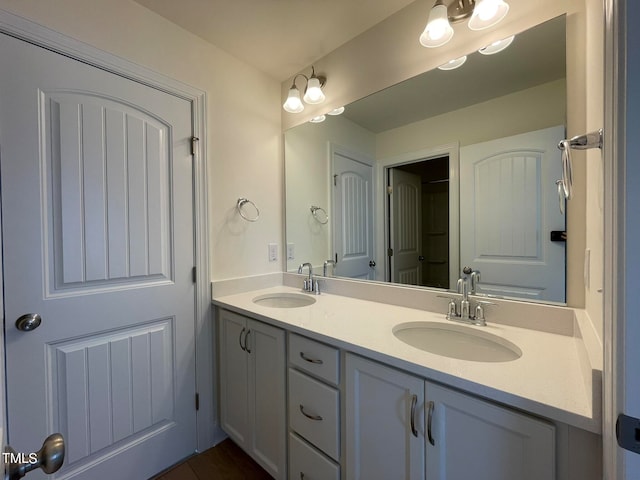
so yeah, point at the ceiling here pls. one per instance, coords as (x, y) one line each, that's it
(278, 37)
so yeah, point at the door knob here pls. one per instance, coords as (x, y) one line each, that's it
(372, 264)
(28, 322)
(421, 258)
(49, 458)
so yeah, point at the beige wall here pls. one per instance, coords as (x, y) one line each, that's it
(243, 114)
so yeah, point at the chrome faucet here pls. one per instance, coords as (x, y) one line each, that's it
(324, 267)
(461, 312)
(309, 285)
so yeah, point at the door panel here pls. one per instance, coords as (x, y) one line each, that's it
(97, 220)
(508, 207)
(406, 227)
(353, 219)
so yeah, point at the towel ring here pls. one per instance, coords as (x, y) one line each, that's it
(321, 217)
(241, 203)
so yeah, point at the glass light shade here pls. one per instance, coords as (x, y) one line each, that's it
(497, 47)
(487, 13)
(438, 30)
(453, 64)
(293, 104)
(314, 93)
(318, 119)
(336, 111)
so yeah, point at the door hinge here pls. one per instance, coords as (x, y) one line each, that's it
(389, 190)
(335, 180)
(336, 260)
(194, 140)
(389, 252)
(194, 275)
(197, 401)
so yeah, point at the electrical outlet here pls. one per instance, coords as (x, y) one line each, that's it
(291, 251)
(273, 252)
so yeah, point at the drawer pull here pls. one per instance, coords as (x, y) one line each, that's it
(311, 360)
(414, 401)
(316, 418)
(301, 476)
(429, 422)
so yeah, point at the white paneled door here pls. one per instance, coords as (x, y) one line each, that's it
(508, 208)
(405, 215)
(97, 219)
(353, 215)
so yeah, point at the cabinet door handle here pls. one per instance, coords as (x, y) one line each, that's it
(414, 401)
(240, 339)
(301, 476)
(316, 418)
(246, 341)
(429, 422)
(317, 361)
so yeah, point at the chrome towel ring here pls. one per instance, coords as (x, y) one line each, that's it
(249, 218)
(322, 217)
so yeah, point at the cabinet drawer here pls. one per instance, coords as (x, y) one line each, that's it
(305, 462)
(313, 412)
(316, 358)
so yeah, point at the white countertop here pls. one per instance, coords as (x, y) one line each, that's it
(547, 380)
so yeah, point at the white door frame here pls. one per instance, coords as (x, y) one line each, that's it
(621, 235)
(382, 210)
(34, 33)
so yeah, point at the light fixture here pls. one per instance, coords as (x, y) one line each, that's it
(453, 64)
(336, 111)
(313, 93)
(483, 13)
(438, 30)
(318, 119)
(487, 13)
(497, 46)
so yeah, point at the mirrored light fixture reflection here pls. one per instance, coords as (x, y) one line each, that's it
(497, 46)
(453, 64)
(313, 93)
(336, 111)
(481, 13)
(318, 119)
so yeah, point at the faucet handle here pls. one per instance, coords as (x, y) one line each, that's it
(479, 318)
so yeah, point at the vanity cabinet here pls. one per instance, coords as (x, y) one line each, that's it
(253, 388)
(399, 426)
(471, 438)
(384, 422)
(314, 410)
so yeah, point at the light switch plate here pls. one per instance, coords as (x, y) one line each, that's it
(273, 252)
(291, 251)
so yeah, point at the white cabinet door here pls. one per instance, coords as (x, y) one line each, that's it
(234, 380)
(252, 389)
(267, 369)
(384, 422)
(468, 438)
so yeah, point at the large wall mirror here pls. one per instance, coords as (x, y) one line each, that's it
(447, 170)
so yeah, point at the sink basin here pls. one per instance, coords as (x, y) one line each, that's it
(457, 341)
(284, 300)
